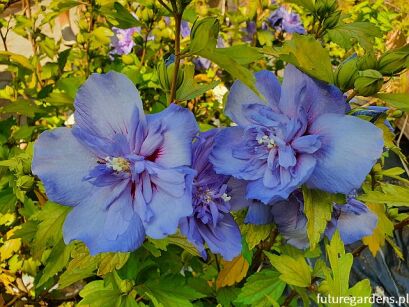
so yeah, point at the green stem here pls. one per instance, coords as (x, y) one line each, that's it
(178, 21)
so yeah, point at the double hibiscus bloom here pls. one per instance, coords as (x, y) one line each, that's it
(128, 175)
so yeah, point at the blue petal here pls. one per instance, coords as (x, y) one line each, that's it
(188, 228)
(307, 143)
(350, 147)
(108, 104)
(240, 95)
(237, 192)
(62, 163)
(290, 180)
(259, 214)
(286, 156)
(224, 238)
(353, 227)
(291, 221)
(177, 128)
(106, 222)
(299, 91)
(167, 209)
(222, 154)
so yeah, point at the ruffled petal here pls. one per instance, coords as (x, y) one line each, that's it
(299, 91)
(167, 210)
(240, 95)
(108, 104)
(178, 127)
(224, 238)
(225, 162)
(290, 180)
(62, 163)
(259, 214)
(106, 222)
(350, 147)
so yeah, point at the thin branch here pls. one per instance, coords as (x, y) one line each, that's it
(178, 21)
(166, 6)
(402, 130)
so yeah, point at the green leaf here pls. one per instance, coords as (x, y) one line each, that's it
(58, 99)
(390, 194)
(56, 261)
(190, 88)
(318, 210)
(307, 4)
(259, 287)
(226, 295)
(22, 107)
(7, 201)
(254, 234)
(112, 261)
(123, 17)
(99, 293)
(203, 43)
(49, 232)
(242, 54)
(294, 270)
(231, 66)
(170, 291)
(397, 100)
(337, 283)
(361, 291)
(103, 34)
(316, 62)
(81, 266)
(8, 57)
(383, 230)
(347, 34)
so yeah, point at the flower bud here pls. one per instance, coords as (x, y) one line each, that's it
(368, 82)
(325, 7)
(332, 20)
(368, 61)
(165, 75)
(204, 34)
(394, 61)
(346, 73)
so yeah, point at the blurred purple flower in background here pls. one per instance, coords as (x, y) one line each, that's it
(283, 20)
(211, 221)
(298, 134)
(249, 31)
(123, 172)
(184, 29)
(122, 41)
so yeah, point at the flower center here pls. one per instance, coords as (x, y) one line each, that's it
(267, 141)
(118, 164)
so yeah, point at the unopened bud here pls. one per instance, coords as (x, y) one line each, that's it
(368, 82)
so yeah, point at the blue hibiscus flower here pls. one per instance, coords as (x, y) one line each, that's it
(299, 134)
(126, 174)
(211, 221)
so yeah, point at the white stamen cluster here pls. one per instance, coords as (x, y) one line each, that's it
(118, 164)
(266, 140)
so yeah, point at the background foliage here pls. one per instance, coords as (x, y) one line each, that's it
(36, 267)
